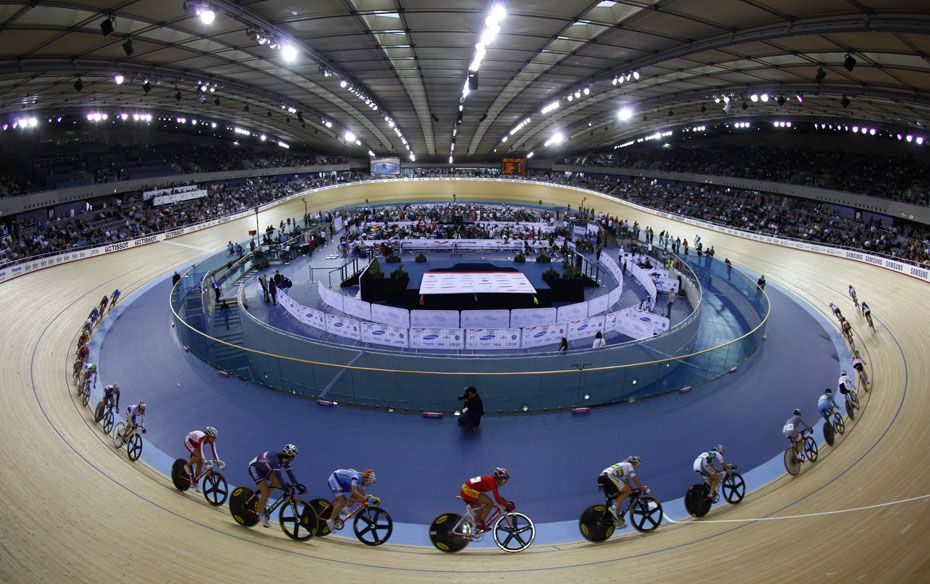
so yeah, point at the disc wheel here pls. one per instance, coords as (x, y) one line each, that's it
(323, 511)
(440, 533)
(298, 519)
(792, 464)
(373, 526)
(134, 447)
(179, 476)
(118, 439)
(596, 524)
(734, 488)
(697, 500)
(829, 435)
(646, 513)
(514, 532)
(215, 488)
(242, 511)
(810, 449)
(98, 411)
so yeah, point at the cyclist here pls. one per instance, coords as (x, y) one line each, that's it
(859, 366)
(265, 470)
(845, 384)
(792, 431)
(827, 405)
(194, 444)
(114, 297)
(474, 493)
(704, 466)
(847, 330)
(852, 294)
(103, 304)
(135, 418)
(111, 397)
(346, 485)
(89, 374)
(867, 313)
(94, 315)
(836, 310)
(615, 482)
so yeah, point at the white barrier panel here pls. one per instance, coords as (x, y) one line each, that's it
(496, 319)
(598, 305)
(642, 276)
(584, 328)
(667, 285)
(613, 296)
(313, 317)
(539, 336)
(331, 298)
(390, 315)
(383, 334)
(357, 308)
(445, 319)
(524, 317)
(343, 326)
(492, 338)
(437, 338)
(637, 324)
(571, 312)
(610, 322)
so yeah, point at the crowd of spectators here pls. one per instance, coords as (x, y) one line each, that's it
(54, 166)
(770, 214)
(127, 216)
(901, 177)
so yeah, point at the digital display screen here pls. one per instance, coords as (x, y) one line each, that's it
(385, 166)
(513, 166)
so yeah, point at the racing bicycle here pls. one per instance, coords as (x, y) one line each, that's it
(132, 441)
(645, 512)
(512, 531)
(832, 426)
(215, 487)
(699, 499)
(297, 518)
(104, 414)
(808, 453)
(373, 525)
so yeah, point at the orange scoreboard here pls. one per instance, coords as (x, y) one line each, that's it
(513, 166)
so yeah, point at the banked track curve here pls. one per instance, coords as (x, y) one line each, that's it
(77, 511)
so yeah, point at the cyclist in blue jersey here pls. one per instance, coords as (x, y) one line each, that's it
(265, 470)
(346, 485)
(827, 405)
(111, 397)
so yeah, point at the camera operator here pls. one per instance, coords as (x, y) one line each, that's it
(472, 409)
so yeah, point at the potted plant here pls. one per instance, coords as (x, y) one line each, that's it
(519, 258)
(392, 259)
(374, 271)
(542, 258)
(550, 275)
(400, 274)
(421, 258)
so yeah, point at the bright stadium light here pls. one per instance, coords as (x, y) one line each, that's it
(625, 113)
(349, 137)
(289, 52)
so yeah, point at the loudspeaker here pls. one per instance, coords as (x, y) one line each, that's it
(473, 81)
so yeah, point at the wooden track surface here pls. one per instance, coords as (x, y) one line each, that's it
(74, 510)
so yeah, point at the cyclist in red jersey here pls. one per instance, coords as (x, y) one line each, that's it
(474, 492)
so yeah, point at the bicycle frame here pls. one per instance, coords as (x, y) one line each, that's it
(470, 520)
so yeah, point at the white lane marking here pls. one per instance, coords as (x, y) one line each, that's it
(805, 515)
(179, 244)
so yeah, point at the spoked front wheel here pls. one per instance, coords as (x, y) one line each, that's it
(646, 513)
(810, 449)
(298, 519)
(373, 526)
(734, 488)
(215, 488)
(838, 424)
(108, 421)
(514, 532)
(134, 447)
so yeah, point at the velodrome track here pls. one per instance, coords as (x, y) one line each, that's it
(76, 510)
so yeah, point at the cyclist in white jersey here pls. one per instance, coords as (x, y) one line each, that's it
(845, 384)
(704, 466)
(618, 481)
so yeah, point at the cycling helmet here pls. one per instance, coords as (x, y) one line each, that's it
(797, 412)
(289, 450)
(369, 476)
(719, 448)
(93, 367)
(828, 391)
(633, 459)
(501, 473)
(115, 386)
(857, 353)
(211, 432)
(844, 372)
(141, 406)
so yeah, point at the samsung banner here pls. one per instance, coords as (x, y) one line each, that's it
(524, 317)
(492, 339)
(434, 318)
(584, 328)
(383, 334)
(343, 326)
(540, 336)
(637, 324)
(390, 315)
(313, 317)
(485, 319)
(436, 338)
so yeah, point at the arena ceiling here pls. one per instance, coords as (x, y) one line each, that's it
(410, 60)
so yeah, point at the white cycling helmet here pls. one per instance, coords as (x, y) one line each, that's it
(211, 432)
(719, 448)
(289, 450)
